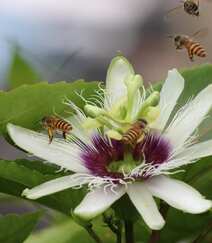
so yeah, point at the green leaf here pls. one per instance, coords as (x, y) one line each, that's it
(70, 232)
(196, 78)
(15, 177)
(199, 175)
(40, 166)
(21, 72)
(142, 232)
(181, 226)
(15, 229)
(28, 104)
(10, 170)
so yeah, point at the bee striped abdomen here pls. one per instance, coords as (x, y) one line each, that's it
(63, 125)
(191, 7)
(131, 136)
(197, 49)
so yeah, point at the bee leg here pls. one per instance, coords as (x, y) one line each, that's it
(191, 57)
(50, 133)
(141, 138)
(134, 143)
(64, 135)
(146, 132)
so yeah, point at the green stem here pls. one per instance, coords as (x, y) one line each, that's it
(87, 225)
(116, 228)
(93, 234)
(129, 232)
(119, 233)
(203, 235)
(155, 236)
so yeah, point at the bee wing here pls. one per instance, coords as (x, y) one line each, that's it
(169, 12)
(200, 33)
(173, 9)
(170, 36)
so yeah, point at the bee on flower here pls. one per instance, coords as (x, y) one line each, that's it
(101, 160)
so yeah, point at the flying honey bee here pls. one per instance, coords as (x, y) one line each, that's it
(55, 124)
(136, 133)
(191, 7)
(193, 47)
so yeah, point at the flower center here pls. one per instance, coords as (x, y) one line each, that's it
(126, 165)
(112, 158)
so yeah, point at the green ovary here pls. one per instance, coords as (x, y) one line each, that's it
(126, 165)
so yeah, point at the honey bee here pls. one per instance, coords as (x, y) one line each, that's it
(191, 7)
(193, 47)
(135, 133)
(54, 124)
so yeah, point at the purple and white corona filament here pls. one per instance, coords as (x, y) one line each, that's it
(109, 169)
(109, 158)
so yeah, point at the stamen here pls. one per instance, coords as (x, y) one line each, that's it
(182, 112)
(79, 112)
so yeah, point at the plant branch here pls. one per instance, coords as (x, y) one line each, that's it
(119, 233)
(92, 233)
(129, 232)
(202, 235)
(87, 225)
(115, 227)
(155, 236)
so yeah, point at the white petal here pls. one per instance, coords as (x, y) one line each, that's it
(178, 194)
(97, 201)
(146, 206)
(53, 186)
(171, 90)
(63, 154)
(118, 70)
(197, 151)
(190, 118)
